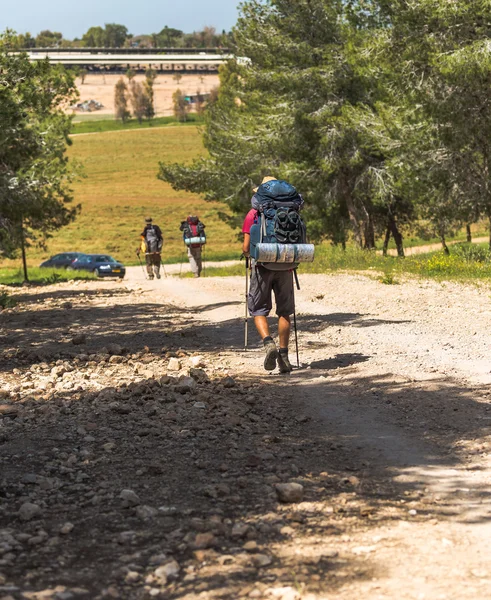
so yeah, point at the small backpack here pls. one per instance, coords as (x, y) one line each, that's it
(151, 239)
(194, 235)
(279, 238)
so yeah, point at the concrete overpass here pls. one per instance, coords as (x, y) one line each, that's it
(105, 60)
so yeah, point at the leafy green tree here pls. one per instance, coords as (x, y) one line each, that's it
(95, 37)
(111, 36)
(443, 65)
(49, 39)
(168, 38)
(26, 41)
(115, 35)
(284, 109)
(34, 170)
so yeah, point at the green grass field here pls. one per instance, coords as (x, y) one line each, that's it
(103, 125)
(120, 188)
(15, 276)
(459, 266)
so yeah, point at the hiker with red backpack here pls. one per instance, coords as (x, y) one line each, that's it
(193, 235)
(151, 244)
(275, 243)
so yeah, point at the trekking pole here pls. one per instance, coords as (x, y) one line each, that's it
(141, 265)
(163, 267)
(204, 261)
(246, 323)
(180, 267)
(295, 315)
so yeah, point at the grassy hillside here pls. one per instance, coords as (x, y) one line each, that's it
(120, 188)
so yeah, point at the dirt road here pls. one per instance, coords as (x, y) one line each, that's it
(386, 426)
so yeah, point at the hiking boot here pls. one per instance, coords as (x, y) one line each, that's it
(284, 363)
(271, 356)
(157, 275)
(150, 277)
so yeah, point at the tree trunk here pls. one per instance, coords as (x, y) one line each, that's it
(369, 231)
(444, 243)
(386, 241)
(353, 219)
(396, 235)
(23, 248)
(468, 232)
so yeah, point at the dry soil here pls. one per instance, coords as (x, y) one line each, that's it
(101, 88)
(142, 446)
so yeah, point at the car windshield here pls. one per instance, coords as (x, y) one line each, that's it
(105, 259)
(83, 259)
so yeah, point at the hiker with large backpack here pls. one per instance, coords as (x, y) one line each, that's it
(275, 242)
(151, 245)
(194, 236)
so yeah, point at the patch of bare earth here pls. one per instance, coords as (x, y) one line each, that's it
(101, 88)
(144, 452)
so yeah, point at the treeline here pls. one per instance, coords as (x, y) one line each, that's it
(113, 35)
(378, 111)
(35, 176)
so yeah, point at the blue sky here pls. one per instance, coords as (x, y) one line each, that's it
(73, 17)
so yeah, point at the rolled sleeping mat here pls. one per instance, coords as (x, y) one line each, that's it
(284, 253)
(195, 240)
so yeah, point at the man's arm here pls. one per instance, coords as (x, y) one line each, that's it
(246, 244)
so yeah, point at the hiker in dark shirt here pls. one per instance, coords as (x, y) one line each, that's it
(151, 243)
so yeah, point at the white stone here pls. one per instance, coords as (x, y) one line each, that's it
(289, 492)
(129, 498)
(28, 511)
(66, 528)
(196, 361)
(174, 364)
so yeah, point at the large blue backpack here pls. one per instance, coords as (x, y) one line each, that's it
(279, 238)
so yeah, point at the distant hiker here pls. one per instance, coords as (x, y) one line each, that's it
(275, 239)
(193, 234)
(151, 244)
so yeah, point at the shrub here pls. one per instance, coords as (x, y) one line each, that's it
(472, 252)
(6, 301)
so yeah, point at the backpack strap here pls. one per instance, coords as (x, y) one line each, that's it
(263, 226)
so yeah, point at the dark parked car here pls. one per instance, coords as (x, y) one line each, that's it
(102, 265)
(61, 261)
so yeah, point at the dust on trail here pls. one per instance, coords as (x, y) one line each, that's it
(386, 426)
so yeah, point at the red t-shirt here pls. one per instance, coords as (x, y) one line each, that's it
(251, 218)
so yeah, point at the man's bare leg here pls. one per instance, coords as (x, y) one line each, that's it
(262, 326)
(284, 331)
(284, 325)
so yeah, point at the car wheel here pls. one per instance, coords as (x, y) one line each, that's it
(69, 268)
(96, 272)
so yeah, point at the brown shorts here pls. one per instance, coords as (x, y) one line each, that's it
(263, 283)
